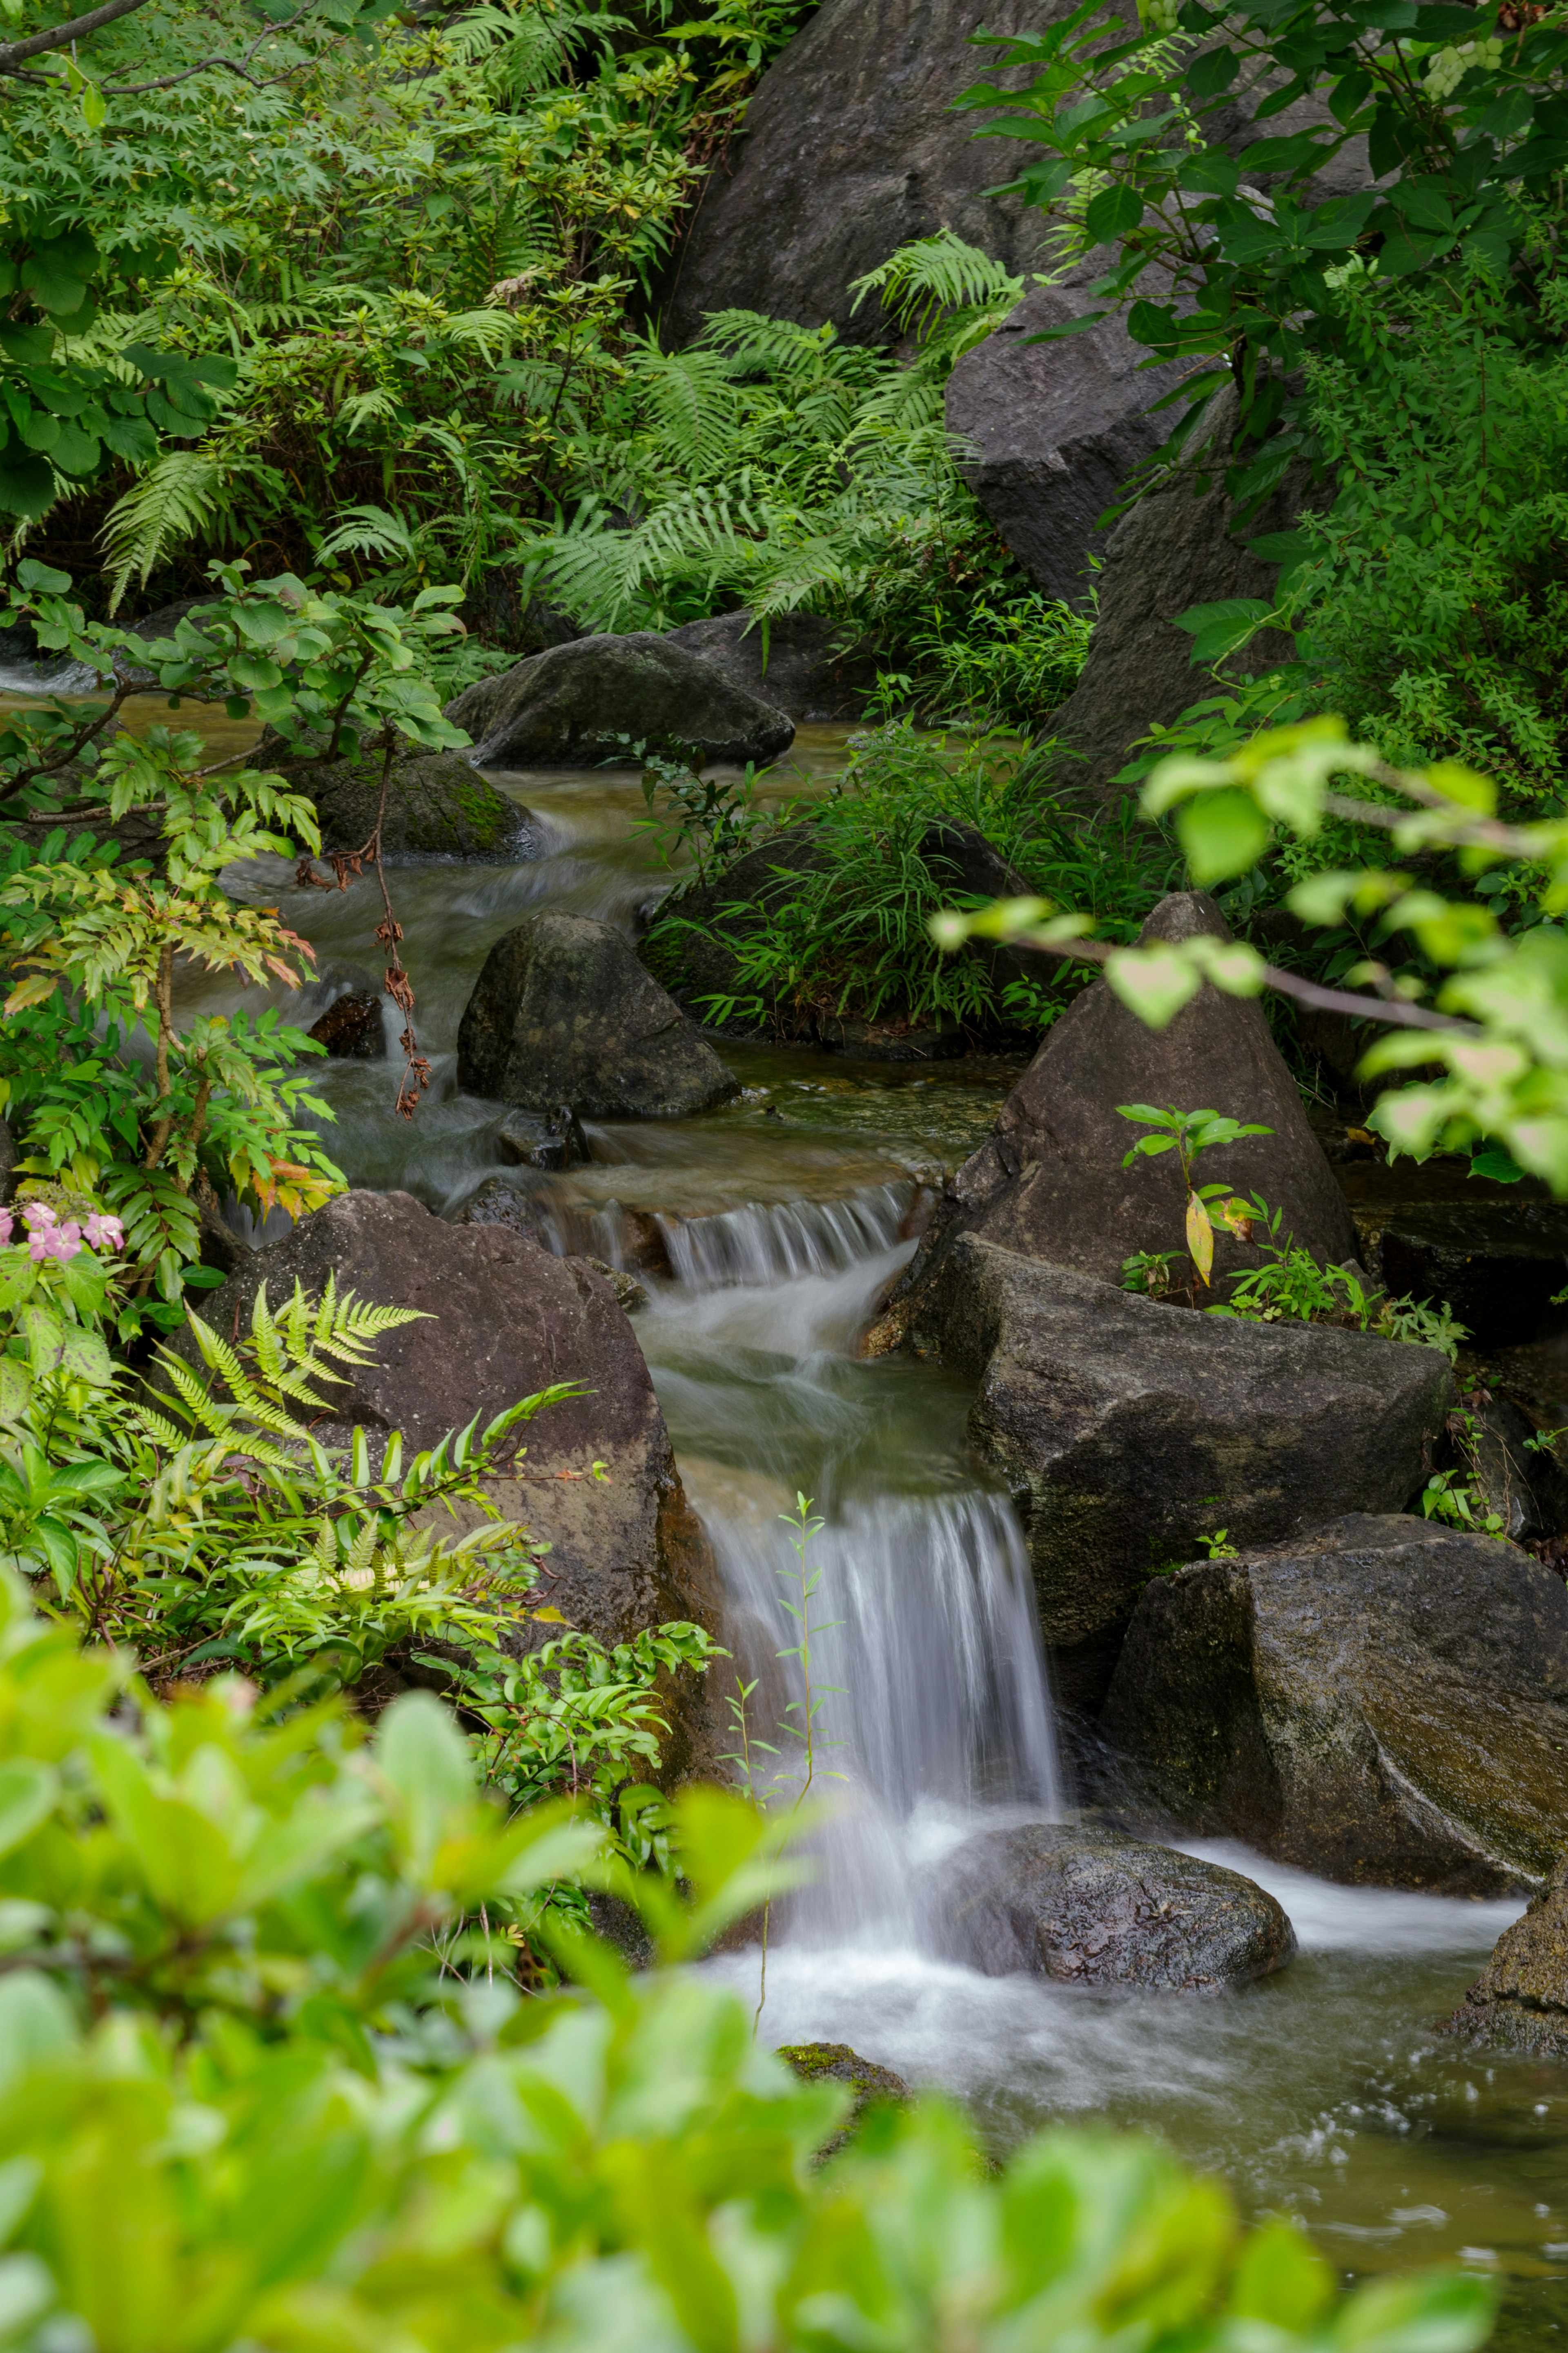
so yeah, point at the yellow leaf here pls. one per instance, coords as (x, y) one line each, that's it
(548, 1617)
(32, 991)
(1237, 1216)
(1200, 1236)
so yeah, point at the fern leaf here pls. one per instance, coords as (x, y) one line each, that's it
(182, 494)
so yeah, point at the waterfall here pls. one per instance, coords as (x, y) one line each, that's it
(761, 1244)
(936, 1705)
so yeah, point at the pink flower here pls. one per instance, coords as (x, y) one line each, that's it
(105, 1233)
(37, 1215)
(54, 1241)
(6, 1227)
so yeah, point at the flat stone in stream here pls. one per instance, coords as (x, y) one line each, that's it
(1384, 1701)
(600, 699)
(834, 2063)
(1088, 1907)
(563, 1013)
(1129, 1430)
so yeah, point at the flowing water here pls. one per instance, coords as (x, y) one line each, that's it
(767, 1231)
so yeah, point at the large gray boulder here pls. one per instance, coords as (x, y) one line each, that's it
(1127, 1431)
(809, 666)
(588, 704)
(1089, 1906)
(563, 1013)
(435, 804)
(1383, 1701)
(1049, 1181)
(507, 1321)
(849, 151)
(1054, 429)
(1182, 546)
(1519, 2001)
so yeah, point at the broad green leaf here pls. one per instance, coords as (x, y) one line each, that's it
(36, 2023)
(1222, 834)
(27, 1795)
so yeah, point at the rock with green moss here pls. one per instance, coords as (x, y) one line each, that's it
(436, 805)
(1519, 2001)
(815, 2063)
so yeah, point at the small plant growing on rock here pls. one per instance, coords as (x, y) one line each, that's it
(1187, 1134)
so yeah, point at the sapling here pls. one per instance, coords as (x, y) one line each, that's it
(1187, 1134)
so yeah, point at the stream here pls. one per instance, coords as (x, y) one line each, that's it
(778, 1219)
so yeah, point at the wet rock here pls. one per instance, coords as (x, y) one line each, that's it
(532, 1140)
(850, 151)
(351, 1029)
(563, 1012)
(1088, 1907)
(1049, 1180)
(1127, 1431)
(812, 667)
(834, 2063)
(508, 1320)
(1497, 1263)
(1519, 2001)
(630, 1294)
(1384, 1701)
(1177, 548)
(496, 1203)
(1055, 429)
(593, 702)
(435, 806)
(1519, 1481)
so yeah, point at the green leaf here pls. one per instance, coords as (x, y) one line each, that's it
(1222, 628)
(1223, 833)
(36, 2024)
(27, 1794)
(1113, 214)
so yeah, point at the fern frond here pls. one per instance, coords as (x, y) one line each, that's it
(935, 274)
(182, 494)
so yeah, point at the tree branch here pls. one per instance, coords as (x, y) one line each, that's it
(1291, 984)
(78, 28)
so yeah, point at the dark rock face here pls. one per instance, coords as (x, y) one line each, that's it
(1056, 429)
(849, 151)
(1177, 548)
(1519, 2001)
(1049, 1180)
(563, 1013)
(1092, 1907)
(510, 1319)
(1384, 1701)
(586, 703)
(1497, 1263)
(808, 669)
(352, 1029)
(1127, 1431)
(1523, 1485)
(531, 1140)
(435, 807)
(496, 1203)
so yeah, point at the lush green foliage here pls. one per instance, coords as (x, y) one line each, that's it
(253, 2089)
(849, 934)
(1466, 139)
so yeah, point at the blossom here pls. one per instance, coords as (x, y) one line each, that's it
(54, 1241)
(104, 1232)
(6, 1227)
(38, 1214)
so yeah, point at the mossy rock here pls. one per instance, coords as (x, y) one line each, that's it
(815, 2063)
(437, 806)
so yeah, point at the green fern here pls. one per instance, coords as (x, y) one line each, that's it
(183, 494)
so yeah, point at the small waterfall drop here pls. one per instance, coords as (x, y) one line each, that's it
(778, 1243)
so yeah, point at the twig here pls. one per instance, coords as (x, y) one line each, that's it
(1288, 983)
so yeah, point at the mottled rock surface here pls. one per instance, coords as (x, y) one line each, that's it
(351, 1029)
(1519, 2001)
(1128, 1430)
(563, 1013)
(435, 806)
(810, 667)
(590, 703)
(510, 1319)
(834, 2063)
(1384, 1701)
(1049, 1181)
(1498, 1263)
(1093, 1907)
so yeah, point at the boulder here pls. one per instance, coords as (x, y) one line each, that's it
(435, 806)
(834, 2063)
(351, 1029)
(496, 1203)
(1089, 1906)
(811, 668)
(532, 1140)
(589, 703)
(563, 1013)
(1128, 1432)
(1499, 1264)
(1179, 547)
(1054, 429)
(507, 1320)
(1521, 1482)
(849, 151)
(1519, 2001)
(1049, 1182)
(1384, 1701)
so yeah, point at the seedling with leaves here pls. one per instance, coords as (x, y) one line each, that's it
(1188, 1134)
